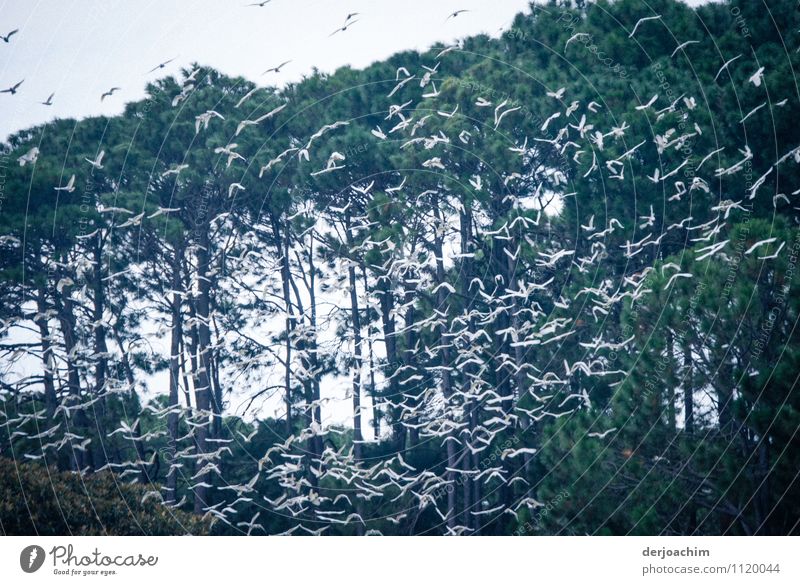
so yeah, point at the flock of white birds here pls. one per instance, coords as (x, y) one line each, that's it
(442, 412)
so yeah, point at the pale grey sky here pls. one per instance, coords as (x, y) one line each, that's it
(80, 48)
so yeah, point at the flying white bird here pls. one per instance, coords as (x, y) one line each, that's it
(601, 435)
(233, 187)
(775, 255)
(29, 157)
(640, 21)
(572, 38)
(378, 133)
(229, 151)
(648, 104)
(757, 77)
(176, 170)
(725, 66)
(683, 46)
(69, 187)
(204, 118)
(245, 123)
(97, 163)
(759, 244)
(246, 97)
(677, 275)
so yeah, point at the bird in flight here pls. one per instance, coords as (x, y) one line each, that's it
(29, 157)
(260, 4)
(7, 38)
(109, 93)
(97, 163)
(48, 101)
(277, 69)
(245, 123)
(757, 77)
(176, 170)
(574, 37)
(456, 13)
(162, 65)
(725, 66)
(683, 46)
(640, 21)
(69, 187)
(351, 15)
(345, 27)
(13, 89)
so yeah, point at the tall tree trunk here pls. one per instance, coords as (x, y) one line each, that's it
(282, 245)
(671, 423)
(66, 316)
(306, 349)
(386, 300)
(527, 427)
(216, 385)
(174, 377)
(358, 366)
(763, 499)
(688, 390)
(128, 369)
(688, 420)
(376, 419)
(465, 228)
(409, 362)
(442, 298)
(203, 390)
(48, 360)
(505, 373)
(100, 351)
(316, 411)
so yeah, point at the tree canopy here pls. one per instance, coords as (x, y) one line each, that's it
(550, 276)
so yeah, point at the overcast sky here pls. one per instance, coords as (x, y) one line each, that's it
(80, 48)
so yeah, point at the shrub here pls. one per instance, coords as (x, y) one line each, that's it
(39, 500)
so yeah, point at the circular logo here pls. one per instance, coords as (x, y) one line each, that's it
(31, 558)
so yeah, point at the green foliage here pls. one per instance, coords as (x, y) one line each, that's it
(37, 500)
(685, 424)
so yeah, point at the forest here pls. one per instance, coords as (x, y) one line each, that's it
(537, 283)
